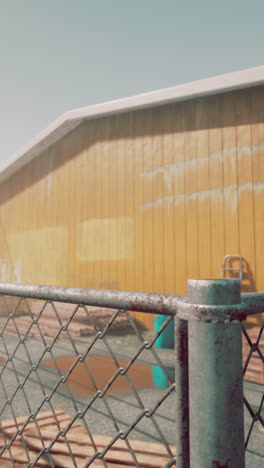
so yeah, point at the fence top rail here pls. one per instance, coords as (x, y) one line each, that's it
(163, 304)
(254, 302)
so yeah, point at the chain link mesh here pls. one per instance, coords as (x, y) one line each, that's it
(83, 385)
(253, 370)
(77, 387)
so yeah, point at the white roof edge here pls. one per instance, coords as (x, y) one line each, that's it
(69, 120)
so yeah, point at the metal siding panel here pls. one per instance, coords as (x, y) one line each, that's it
(26, 205)
(203, 189)
(215, 118)
(158, 197)
(105, 162)
(138, 190)
(73, 206)
(83, 281)
(91, 193)
(113, 197)
(230, 175)
(130, 193)
(167, 128)
(179, 200)
(6, 224)
(138, 199)
(191, 191)
(120, 166)
(97, 199)
(245, 189)
(258, 181)
(258, 134)
(148, 253)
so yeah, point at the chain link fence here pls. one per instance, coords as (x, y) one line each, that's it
(82, 383)
(77, 379)
(254, 394)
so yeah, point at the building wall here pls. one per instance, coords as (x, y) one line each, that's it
(142, 201)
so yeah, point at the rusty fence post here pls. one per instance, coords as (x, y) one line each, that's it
(216, 418)
(182, 396)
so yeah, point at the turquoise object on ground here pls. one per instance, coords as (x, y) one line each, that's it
(166, 339)
(159, 377)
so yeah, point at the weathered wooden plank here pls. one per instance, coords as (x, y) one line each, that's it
(43, 415)
(148, 460)
(66, 462)
(79, 435)
(19, 455)
(148, 454)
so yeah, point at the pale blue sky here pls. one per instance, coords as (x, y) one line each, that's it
(56, 55)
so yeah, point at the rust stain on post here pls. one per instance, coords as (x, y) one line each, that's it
(216, 464)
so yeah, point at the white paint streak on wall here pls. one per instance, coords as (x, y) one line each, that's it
(167, 203)
(179, 199)
(165, 171)
(231, 194)
(230, 157)
(170, 171)
(4, 272)
(216, 196)
(152, 204)
(17, 271)
(231, 197)
(190, 197)
(258, 146)
(244, 151)
(244, 187)
(168, 178)
(258, 187)
(204, 195)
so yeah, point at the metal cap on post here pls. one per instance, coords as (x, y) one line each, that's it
(214, 292)
(216, 417)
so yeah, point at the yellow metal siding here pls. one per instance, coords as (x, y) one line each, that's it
(142, 200)
(179, 245)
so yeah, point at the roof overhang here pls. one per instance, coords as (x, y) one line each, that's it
(70, 120)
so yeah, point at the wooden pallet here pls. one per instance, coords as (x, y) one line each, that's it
(149, 454)
(79, 327)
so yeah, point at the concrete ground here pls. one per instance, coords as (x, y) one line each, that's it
(123, 406)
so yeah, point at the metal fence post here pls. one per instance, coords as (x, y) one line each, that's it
(215, 373)
(182, 396)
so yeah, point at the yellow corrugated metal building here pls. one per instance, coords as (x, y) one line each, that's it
(141, 193)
